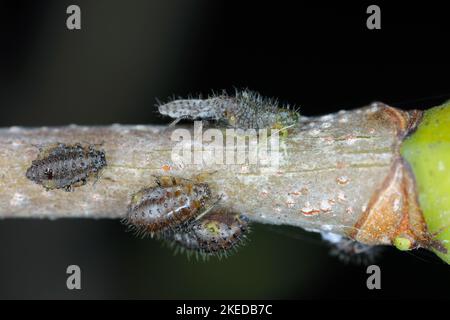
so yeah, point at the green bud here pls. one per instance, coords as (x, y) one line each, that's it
(427, 150)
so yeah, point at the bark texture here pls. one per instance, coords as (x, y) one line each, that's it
(332, 169)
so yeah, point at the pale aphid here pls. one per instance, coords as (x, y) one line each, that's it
(194, 109)
(246, 110)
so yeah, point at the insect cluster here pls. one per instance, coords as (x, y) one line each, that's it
(179, 211)
(246, 110)
(61, 166)
(183, 213)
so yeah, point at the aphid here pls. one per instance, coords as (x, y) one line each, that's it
(246, 110)
(350, 251)
(168, 206)
(217, 233)
(61, 166)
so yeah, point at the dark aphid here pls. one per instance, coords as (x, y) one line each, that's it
(350, 251)
(61, 166)
(168, 206)
(217, 233)
(246, 110)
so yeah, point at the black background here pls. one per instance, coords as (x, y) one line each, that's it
(319, 56)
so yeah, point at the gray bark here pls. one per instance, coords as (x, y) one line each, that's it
(329, 168)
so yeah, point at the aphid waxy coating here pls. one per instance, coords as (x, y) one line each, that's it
(246, 110)
(350, 251)
(168, 206)
(217, 233)
(61, 166)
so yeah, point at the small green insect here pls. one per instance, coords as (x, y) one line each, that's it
(403, 243)
(246, 110)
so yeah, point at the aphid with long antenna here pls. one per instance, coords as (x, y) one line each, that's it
(246, 110)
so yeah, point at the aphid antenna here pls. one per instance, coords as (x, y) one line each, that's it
(40, 146)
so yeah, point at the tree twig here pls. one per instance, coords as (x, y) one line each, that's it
(330, 169)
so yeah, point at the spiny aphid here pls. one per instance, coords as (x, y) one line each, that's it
(61, 166)
(350, 251)
(246, 110)
(217, 233)
(168, 206)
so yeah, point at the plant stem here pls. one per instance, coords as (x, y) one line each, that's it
(331, 170)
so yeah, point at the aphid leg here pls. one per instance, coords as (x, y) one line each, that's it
(98, 175)
(40, 147)
(172, 125)
(204, 176)
(92, 146)
(174, 122)
(45, 147)
(167, 180)
(211, 207)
